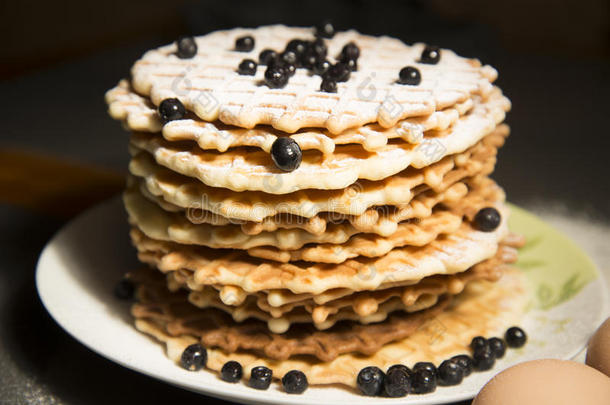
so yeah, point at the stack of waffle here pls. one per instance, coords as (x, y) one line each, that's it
(359, 255)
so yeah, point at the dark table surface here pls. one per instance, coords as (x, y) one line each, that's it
(557, 153)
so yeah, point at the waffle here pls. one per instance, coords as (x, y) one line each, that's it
(209, 86)
(256, 207)
(138, 114)
(239, 169)
(484, 309)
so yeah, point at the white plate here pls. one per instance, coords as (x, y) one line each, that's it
(79, 267)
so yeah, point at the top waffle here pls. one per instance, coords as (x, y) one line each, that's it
(209, 86)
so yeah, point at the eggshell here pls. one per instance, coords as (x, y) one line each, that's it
(549, 381)
(598, 353)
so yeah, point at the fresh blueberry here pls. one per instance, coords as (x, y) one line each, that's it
(260, 378)
(328, 86)
(409, 75)
(338, 72)
(186, 47)
(370, 381)
(487, 219)
(276, 77)
(483, 358)
(289, 57)
(515, 337)
(124, 289)
(325, 29)
(319, 48)
(464, 361)
(244, 44)
(450, 373)
(286, 154)
(397, 383)
(423, 381)
(266, 56)
(350, 51)
(194, 357)
(321, 67)
(425, 365)
(497, 346)
(298, 46)
(401, 367)
(231, 372)
(171, 109)
(309, 59)
(478, 342)
(351, 64)
(430, 55)
(247, 67)
(295, 382)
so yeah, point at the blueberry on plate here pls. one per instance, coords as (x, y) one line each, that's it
(321, 67)
(298, 46)
(286, 154)
(425, 365)
(370, 381)
(124, 289)
(171, 109)
(497, 346)
(325, 29)
(194, 357)
(351, 64)
(247, 67)
(328, 86)
(483, 358)
(450, 373)
(244, 44)
(289, 57)
(266, 56)
(397, 383)
(401, 367)
(319, 48)
(350, 51)
(231, 372)
(409, 75)
(478, 342)
(295, 382)
(430, 55)
(423, 381)
(260, 378)
(186, 47)
(338, 72)
(464, 361)
(487, 219)
(309, 59)
(515, 337)
(276, 77)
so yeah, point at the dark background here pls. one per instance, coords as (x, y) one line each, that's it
(59, 58)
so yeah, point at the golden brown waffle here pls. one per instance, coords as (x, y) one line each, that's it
(209, 85)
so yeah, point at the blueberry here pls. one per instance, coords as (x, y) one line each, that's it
(247, 67)
(244, 44)
(423, 381)
(370, 380)
(338, 72)
(298, 46)
(515, 337)
(401, 367)
(425, 365)
(409, 75)
(483, 358)
(276, 77)
(266, 56)
(171, 109)
(319, 48)
(124, 289)
(286, 154)
(295, 382)
(309, 59)
(351, 64)
(350, 51)
(186, 47)
(497, 346)
(321, 67)
(397, 383)
(260, 378)
(430, 55)
(289, 57)
(328, 86)
(487, 219)
(194, 357)
(450, 373)
(231, 372)
(325, 29)
(464, 361)
(478, 342)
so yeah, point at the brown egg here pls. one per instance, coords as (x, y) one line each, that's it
(549, 381)
(598, 353)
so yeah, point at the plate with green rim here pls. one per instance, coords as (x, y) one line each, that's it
(79, 267)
